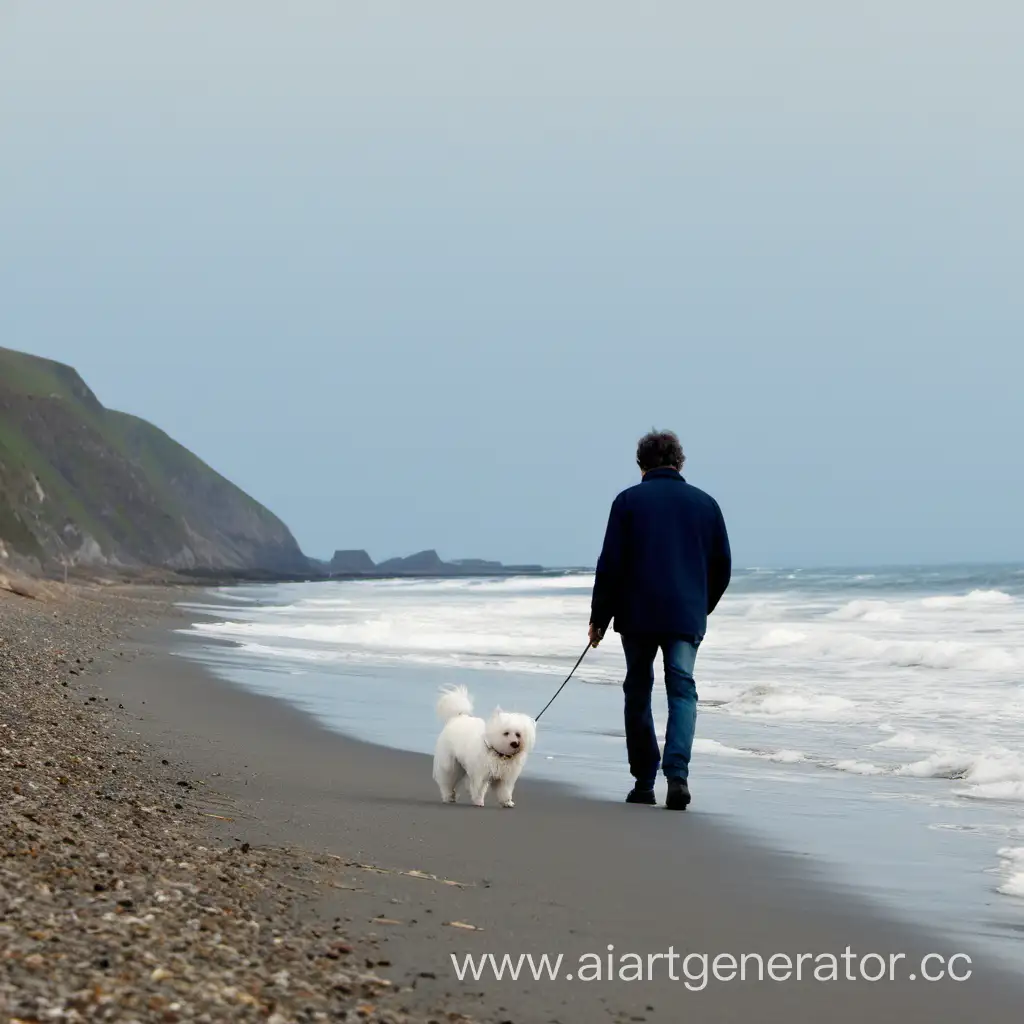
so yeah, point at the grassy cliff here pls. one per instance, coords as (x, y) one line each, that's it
(88, 485)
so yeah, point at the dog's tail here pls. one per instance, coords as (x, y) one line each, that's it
(454, 701)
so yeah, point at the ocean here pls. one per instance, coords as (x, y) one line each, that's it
(872, 720)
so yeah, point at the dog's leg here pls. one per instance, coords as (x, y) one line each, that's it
(503, 791)
(478, 790)
(448, 779)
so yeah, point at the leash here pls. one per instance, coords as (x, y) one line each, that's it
(567, 678)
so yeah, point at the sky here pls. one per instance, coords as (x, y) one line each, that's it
(419, 275)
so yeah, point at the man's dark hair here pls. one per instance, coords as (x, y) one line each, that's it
(659, 449)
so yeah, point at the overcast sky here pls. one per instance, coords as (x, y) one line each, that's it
(419, 274)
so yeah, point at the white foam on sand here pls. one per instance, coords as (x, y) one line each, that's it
(854, 767)
(787, 757)
(711, 747)
(703, 745)
(1012, 791)
(947, 765)
(1012, 866)
(290, 653)
(997, 774)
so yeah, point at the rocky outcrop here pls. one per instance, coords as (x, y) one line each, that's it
(476, 565)
(423, 563)
(84, 485)
(352, 563)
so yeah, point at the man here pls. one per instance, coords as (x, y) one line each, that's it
(664, 567)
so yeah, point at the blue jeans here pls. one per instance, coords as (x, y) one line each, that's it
(641, 740)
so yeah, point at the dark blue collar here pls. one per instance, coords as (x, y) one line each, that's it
(663, 473)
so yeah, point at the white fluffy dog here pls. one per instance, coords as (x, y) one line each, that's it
(484, 753)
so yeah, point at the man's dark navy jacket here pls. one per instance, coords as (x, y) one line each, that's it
(666, 560)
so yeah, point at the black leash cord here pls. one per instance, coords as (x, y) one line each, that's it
(567, 678)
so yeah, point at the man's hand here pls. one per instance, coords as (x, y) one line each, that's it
(596, 635)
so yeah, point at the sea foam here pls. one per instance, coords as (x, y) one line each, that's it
(775, 701)
(976, 598)
(1012, 866)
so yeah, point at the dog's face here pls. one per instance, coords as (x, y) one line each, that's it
(510, 733)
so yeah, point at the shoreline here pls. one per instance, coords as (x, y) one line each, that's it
(907, 845)
(557, 874)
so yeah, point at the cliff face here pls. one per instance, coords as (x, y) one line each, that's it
(87, 485)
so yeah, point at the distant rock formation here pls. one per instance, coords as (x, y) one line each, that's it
(84, 485)
(352, 562)
(476, 565)
(423, 563)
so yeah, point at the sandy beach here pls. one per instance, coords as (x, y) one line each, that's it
(179, 849)
(118, 901)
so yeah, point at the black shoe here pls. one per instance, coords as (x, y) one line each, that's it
(678, 796)
(641, 796)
